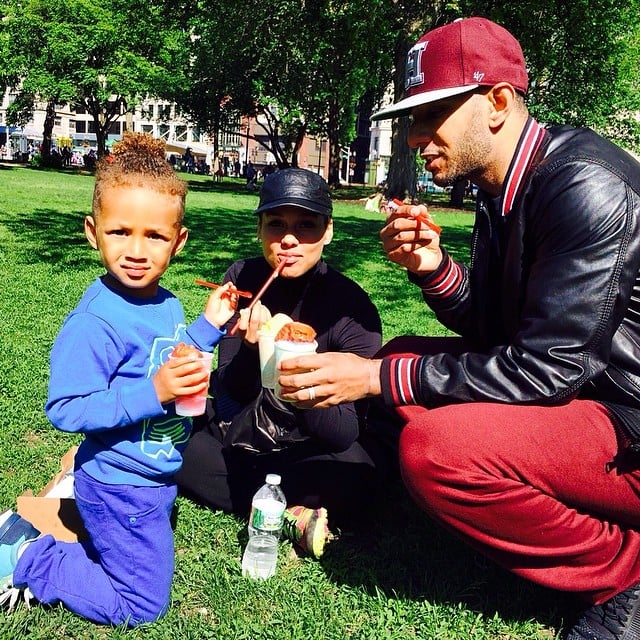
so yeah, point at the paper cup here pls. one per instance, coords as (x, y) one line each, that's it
(194, 405)
(266, 349)
(285, 349)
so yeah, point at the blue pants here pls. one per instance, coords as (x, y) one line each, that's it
(123, 573)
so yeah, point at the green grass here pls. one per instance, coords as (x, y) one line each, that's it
(406, 579)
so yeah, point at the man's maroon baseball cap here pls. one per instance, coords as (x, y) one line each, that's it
(459, 57)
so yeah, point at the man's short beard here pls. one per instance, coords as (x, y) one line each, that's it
(471, 153)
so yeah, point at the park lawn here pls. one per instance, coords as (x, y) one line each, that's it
(407, 578)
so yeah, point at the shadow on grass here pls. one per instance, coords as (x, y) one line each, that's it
(407, 555)
(218, 236)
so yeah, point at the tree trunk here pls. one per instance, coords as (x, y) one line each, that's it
(457, 193)
(401, 177)
(49, 121)
(333, 179)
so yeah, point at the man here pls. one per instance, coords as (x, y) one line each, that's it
(522, 435)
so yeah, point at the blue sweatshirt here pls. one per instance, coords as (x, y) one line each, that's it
(102, 364)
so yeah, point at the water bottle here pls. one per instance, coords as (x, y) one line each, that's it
(267, 508)
(265, 525)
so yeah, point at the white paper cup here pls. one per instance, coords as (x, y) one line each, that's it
(266, 349)
(285, 349)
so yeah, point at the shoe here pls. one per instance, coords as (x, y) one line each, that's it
(308, 528)
(616, 619)
(15, 532)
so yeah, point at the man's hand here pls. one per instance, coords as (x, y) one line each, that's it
(409, 242)
(328, 379)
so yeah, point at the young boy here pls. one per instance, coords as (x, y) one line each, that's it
(112, 380)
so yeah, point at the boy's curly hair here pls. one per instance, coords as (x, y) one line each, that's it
(138, 160)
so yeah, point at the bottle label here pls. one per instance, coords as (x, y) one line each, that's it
(267, 515)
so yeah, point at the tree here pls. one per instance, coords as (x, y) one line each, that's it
(350, 46)
(409, 20)
(298, 81)
(220, 38)
(105, 56)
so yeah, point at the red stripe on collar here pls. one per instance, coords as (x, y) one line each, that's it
(528, 144)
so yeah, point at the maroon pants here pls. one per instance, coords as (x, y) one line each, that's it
(537, 489)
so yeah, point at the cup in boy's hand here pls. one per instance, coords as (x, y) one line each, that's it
(194, 404)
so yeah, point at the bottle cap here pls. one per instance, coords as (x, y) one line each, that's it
(273, 478)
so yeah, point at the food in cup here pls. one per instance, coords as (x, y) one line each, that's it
(194, 404)
(296, 332)
(182, 350)
(293, 339)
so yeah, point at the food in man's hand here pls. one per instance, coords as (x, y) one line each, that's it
(296, 332)
(183, 350)
(422, 217)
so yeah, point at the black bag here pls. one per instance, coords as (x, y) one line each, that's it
(266, 425)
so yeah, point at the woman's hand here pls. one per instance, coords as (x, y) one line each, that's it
(409, 242)
(251, 320)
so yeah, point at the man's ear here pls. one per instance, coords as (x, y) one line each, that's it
(183, 234)
(502, 98)
(90, 231)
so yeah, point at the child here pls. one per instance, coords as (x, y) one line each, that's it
(112, 380)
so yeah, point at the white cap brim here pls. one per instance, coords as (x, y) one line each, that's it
(404, 107)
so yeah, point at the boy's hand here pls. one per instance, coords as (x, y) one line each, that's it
(221, 305)
(180, 377)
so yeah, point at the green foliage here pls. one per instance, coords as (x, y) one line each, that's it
(401, 578)
(106, 56)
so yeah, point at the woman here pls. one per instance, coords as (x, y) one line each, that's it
(327, 468)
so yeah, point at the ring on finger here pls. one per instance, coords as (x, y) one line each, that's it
(312, 393)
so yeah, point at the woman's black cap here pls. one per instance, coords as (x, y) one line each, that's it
(297, 188)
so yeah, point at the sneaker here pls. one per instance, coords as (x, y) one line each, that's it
(616, 619)
(15, 532)
(308, 528)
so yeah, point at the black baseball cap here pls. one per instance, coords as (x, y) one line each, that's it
(296, 188)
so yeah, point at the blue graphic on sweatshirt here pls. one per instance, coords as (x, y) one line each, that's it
(162, 348)
(160, 436)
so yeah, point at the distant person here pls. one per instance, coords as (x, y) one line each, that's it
(252, 177)
(112, 380)
(523, 434)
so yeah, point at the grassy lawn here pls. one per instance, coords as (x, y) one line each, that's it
(406, 579)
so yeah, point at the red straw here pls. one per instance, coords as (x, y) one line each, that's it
(213, 285)
(421, 217)
(265, 286)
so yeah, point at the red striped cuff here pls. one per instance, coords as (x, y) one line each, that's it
(399, 377)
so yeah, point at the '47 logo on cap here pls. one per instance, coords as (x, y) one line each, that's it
(414, 71)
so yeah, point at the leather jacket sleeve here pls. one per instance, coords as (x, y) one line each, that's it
(547, 322)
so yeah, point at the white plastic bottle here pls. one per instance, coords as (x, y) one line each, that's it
(267, 508)
(265, 525)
